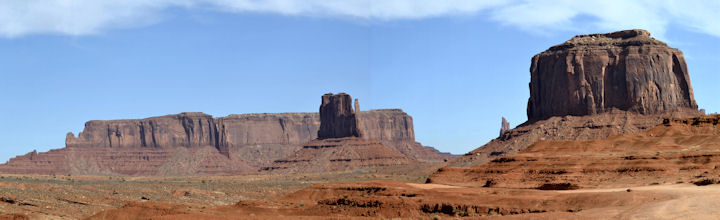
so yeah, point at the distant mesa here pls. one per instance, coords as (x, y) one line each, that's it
(596, 85)
(596, 73)
(187, 129)
(192, 143)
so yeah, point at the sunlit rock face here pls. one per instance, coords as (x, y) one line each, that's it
(591, 74)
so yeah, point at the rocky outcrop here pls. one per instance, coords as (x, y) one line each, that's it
(504, 126)
(568, 127)
(198, 129)
(197, 143)
(240, 131)
(128, 161)
(188, 129)
(337, 117)
(591, 74)
(339, 154)
(339, 145)
(594, 86)
(678, 150)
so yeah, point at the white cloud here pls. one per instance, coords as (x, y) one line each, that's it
(366, 9)
(75, 17)
(608, 15)
(82, 17)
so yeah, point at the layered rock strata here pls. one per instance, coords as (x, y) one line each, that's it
(676, 151)
(339, 154)
(592, 87)
(340, 145)
(246, 132)
(188, 129)
(240, 143)
(596, 85)
(197, 129)
(127, 161)
(568, 127)
(595, 73)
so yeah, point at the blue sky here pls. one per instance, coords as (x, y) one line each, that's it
(455, 66)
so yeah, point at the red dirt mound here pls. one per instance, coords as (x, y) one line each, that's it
(338, 154)
(589, 127)
(679, 150)
(391, 199)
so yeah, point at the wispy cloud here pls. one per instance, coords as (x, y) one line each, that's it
(76, 17)
(608, 15)
(82, 17)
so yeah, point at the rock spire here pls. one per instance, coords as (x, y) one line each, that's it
(504, 126)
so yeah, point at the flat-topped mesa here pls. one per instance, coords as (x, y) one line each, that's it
(197, 143)
(591, 74)
(337, 118)
(188, 129)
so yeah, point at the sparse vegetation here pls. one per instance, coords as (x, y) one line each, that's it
(705, 182)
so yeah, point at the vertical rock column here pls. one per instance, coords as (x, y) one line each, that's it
(505, 126)
(337, 118)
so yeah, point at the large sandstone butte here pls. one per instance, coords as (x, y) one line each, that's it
(197, 143)
(337, 118)
(597, 85)
(595, 73)
(340, 145)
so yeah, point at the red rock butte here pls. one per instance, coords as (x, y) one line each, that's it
(337, 117)
(595, 73)
(340, 144)
(597, 85)
(196, 143)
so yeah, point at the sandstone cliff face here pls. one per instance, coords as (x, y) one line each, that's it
(340, 145)
(591, 74)
(184, 129)
(197, 143)
(253, 129)
(387, 125)
(594, 86)
(337, 117)
(197, 129)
